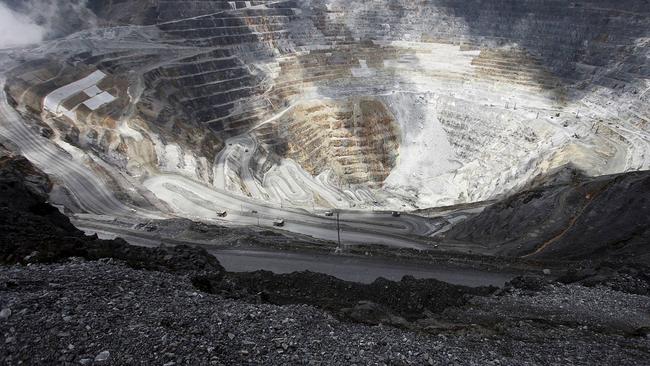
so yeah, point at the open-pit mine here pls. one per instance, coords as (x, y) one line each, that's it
(250, 112)
(325, 182)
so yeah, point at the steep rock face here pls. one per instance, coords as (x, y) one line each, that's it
(23, 185)
(486, 94)
(606, 217)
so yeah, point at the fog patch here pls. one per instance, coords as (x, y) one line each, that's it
(24, 22)
(17, 29)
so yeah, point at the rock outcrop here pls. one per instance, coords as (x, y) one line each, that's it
(602, 218)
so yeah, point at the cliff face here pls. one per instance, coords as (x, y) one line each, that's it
(474, 99)
(602, 218)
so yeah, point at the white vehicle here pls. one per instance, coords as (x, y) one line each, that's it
(278, 222)
(329, 213)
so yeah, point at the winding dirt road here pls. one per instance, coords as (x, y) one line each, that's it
(191, 199)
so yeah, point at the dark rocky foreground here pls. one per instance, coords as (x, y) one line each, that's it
(81, 311)
(103, 312)
(67, 298)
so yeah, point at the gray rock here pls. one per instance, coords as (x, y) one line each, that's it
(102, 356)
(5, 313)
(286, 335)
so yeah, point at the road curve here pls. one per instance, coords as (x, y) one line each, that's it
(90, 193)
(194, 200)
(88, 190)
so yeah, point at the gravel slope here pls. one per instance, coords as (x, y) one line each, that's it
(78, 312)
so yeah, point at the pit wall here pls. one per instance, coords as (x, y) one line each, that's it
(481, 96)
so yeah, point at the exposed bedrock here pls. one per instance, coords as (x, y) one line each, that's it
(602, 218)
(356, 138)
(371, 102)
